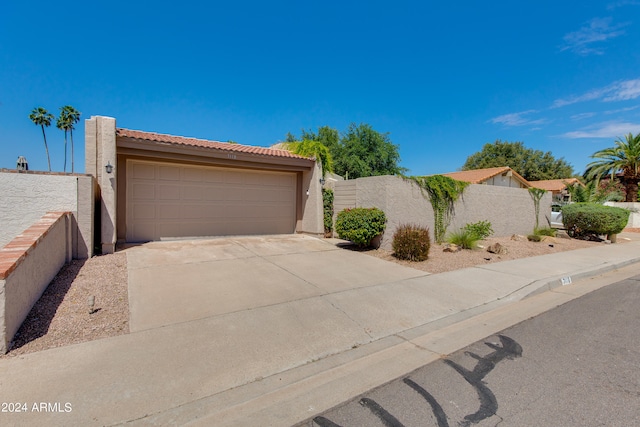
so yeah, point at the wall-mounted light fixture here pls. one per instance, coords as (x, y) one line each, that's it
(108, 167)
(322, 181)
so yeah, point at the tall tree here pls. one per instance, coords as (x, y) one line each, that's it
(326, 135)
(70, 117)
(533, 165)
(364, 151)
(624, 159)
(41, 117)
(63, 124)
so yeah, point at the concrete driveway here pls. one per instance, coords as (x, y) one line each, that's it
(179, 281)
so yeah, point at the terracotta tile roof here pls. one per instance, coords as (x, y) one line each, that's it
(478, 176)
(555, 184)
(194, 142)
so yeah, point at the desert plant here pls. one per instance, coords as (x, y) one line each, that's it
(544, 231)
(360, 225)
(536, 194)
(463, 238)
(582, 219)
(534, 238)
(327, 202)
(411, 242)
(481, 229)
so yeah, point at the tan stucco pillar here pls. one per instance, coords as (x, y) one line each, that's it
(313, 212)
(100, 151)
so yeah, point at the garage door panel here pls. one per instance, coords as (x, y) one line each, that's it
(143, 231)
(191, 192)
(214, 176)
(168, 192)
(234, 177)
(143, 171)
(169, 173)
(142, 211)
(191, 211)
(143, 191)
(169, 229)
(168, 211)
(170, 200)
(234, 193)
(260, 195)
(193, 174)
(214, 212)
(213, 193)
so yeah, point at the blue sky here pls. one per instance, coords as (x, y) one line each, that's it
(443, 78)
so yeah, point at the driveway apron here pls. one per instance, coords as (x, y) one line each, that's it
(179, 281)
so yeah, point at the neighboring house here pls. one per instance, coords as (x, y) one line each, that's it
(557, 187)
(502, 177)
(154, 186)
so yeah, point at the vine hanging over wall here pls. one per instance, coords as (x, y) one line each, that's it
(443, 193)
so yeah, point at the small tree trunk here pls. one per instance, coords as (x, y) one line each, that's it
(46, 148)
(71, 133)
(631, 188)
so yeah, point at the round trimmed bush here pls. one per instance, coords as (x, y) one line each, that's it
(411, 242)
(581, 219)
(360, 225)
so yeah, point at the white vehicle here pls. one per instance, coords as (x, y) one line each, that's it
(556, 216)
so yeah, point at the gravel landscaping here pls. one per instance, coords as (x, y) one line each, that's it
(63, 315)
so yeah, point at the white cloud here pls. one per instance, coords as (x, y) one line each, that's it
(611, 130)
(621, 3)
(517, 119)
(622, 110)
(582, 116)
(629, 89)
(597, 30)
(619, 91)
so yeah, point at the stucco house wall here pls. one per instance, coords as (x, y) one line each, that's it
(107, 144)
(312, 220)
(26, 196)
(510, 210)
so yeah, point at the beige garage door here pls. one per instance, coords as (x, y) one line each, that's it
(169, 200)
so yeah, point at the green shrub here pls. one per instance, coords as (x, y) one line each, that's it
(327, 201)
(360, 225)
(581, 219)
(534, 238)
(481, 229)
(463, 238)
(411, 242)
(545, 231)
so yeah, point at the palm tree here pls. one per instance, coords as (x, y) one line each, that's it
(62, 123)
(41, 117)
(623, 158)
(69, 116)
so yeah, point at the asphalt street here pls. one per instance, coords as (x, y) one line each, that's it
(576, 365)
